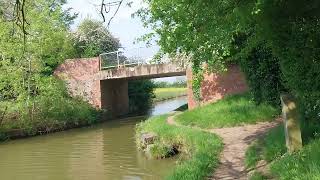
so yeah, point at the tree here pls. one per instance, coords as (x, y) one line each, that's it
(18, 10)
(31, 97)
(46, 46)
(207, 29)
(92, 39)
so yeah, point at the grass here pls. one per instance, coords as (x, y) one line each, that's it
(304, 164)
(168, 93)
(257, 176)
(200, 149)
(270, 147)
(231, 111)
(301, 165)
(44, 115)
(252, 156)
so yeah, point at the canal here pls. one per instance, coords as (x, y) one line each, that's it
(101, 152)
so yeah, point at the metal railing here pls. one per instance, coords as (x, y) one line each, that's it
(121, 58)
(133, 57)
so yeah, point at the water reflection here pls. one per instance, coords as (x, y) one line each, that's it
(105, 151)
(167, 106)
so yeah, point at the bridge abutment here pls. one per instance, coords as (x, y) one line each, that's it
(114, 96)
(108, 89)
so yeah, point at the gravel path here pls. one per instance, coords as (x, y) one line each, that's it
(236, 140)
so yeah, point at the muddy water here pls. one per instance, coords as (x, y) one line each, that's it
(102, 152)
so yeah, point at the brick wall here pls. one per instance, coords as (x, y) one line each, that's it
(217, 85)
(82, 79)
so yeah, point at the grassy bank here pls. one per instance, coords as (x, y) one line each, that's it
(200, 149)
(44, 115)
(301, 165)
(268, 148)
(231, 111)
(304, 164)
(162, 94)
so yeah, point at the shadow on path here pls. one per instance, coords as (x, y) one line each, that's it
(236, 140)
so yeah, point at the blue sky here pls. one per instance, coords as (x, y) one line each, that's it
(123, 26)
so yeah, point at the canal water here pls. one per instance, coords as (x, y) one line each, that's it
(103, 152)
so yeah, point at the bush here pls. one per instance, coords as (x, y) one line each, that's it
(49, 110)
(140, 96)
(301, 69)
(263, 74)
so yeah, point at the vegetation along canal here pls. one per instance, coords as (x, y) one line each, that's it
(104, 151)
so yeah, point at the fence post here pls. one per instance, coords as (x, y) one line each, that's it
(118, 59)
(291, 123)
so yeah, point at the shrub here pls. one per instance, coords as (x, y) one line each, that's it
(262, 72)
(140, 95)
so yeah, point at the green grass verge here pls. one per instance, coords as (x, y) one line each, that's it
(270, 147)
(302, 165)
(252, 156)
(201, 149)
(49, 114)
(231, 111)
(162, 94)
(257, 176)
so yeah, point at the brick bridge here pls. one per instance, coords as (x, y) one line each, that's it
(108, 89)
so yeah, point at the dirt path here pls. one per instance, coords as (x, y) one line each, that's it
(236, 140)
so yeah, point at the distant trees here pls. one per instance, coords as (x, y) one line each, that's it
(176, 84)
(92, 38)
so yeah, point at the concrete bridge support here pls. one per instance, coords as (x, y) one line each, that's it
(114, 96)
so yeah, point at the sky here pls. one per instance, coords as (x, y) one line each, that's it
(123, 26)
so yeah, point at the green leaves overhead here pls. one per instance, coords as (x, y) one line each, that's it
(209, 30)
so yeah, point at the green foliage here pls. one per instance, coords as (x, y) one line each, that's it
(201, 149)
(301, 165)
(263, 74)
(278, 34)
(274, 144)
(92, 39)
(140, 95)
(269, 148)
(231, 111)
(251, 156)
(33, 101)
(257, 176)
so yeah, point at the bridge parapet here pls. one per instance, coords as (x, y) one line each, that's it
(143, 71)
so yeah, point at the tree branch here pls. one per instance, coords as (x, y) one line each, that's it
(106, 8)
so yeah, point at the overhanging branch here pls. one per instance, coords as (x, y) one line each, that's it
(106, 8)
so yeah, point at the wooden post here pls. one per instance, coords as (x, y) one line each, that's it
(291, 123)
